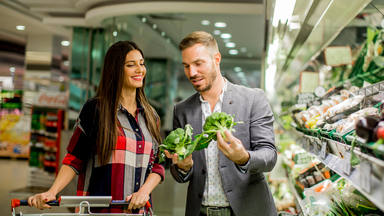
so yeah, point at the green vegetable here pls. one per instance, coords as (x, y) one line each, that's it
(180, 140)
(218, 122)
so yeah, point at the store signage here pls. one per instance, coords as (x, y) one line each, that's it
(365, 175)
(338, 55)
(347, 163)
(305, 98)
(308, 81)
(54, 100)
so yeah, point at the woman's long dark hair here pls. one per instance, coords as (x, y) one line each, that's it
(108, 97)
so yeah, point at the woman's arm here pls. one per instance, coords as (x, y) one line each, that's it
(65, 176)
(140, 198)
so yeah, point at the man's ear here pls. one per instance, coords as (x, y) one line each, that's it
(217, 58)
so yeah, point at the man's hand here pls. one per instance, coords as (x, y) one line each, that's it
(234, 150)
(185, 164)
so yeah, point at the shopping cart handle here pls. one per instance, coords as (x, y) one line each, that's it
(124, 202)
(16, 203)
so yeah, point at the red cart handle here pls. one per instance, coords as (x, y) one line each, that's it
(16, 203)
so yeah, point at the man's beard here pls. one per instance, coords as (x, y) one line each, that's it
(211, 77)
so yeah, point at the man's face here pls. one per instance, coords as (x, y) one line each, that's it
(200, 66)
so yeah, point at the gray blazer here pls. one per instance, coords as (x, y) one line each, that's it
(247, 193)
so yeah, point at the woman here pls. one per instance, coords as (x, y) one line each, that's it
(115, 143)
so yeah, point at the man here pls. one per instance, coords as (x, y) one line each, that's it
(226, 178)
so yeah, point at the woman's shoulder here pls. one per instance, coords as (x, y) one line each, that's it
(88, 115)
(89, 106)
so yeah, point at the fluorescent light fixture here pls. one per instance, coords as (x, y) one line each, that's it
(220, 24)
(237, 69)
(270, 74)
(20, 27)
(154, 26)
(294, 25)
(230, 45)
(226, 35)
(217, 32)
(12, 69)
(114, 33)
(205, 22)
(233, 52)
(65, 43)
(283, 11)
(243, 49)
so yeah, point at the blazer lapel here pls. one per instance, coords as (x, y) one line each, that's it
(227, 107)
(196, 120)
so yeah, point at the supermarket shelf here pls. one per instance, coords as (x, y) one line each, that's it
(299, 201)
(365, 176)
(372, 89)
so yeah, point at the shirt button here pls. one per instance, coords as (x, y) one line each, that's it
(137, 183)
(139, 146)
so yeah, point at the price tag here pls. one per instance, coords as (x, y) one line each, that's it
(323, 151)
(365, 175)
(347, 163)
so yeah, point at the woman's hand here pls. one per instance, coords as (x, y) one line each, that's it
(39, 200)
(138, 199)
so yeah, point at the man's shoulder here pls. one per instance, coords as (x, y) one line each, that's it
(247, 91)
(188, 101)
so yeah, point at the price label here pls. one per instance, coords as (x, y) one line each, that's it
(365, 175)
(347, 163)
(323, 151)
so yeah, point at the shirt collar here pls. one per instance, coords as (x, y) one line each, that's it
(139, 109)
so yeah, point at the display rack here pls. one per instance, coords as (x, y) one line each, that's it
(299, 201)
(365, 177)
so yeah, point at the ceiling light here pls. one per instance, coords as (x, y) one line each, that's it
(65, 43)
(283, 11)
(163, 34)
(216, 32)
(237, 69)
(12, 69)
(243, 49)
(294, 25)
(205, 22)
(114, 33)
(220, 24)
(154, 26)
(226, 35)
(230, 45)
(20, 27)
(143, 19)
(233, 52)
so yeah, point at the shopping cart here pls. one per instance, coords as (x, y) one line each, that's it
(84, 203)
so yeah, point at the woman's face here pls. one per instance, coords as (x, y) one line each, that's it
(134, 70)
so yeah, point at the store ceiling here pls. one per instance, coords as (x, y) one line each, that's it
(244, 18)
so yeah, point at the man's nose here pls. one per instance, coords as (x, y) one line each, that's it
(192, 71)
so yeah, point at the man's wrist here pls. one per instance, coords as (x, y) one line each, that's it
(244, 160)
(185, 168)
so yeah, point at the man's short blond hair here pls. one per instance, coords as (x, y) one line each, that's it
(199, 37)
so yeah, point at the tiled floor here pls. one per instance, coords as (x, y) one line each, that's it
(168, 198)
